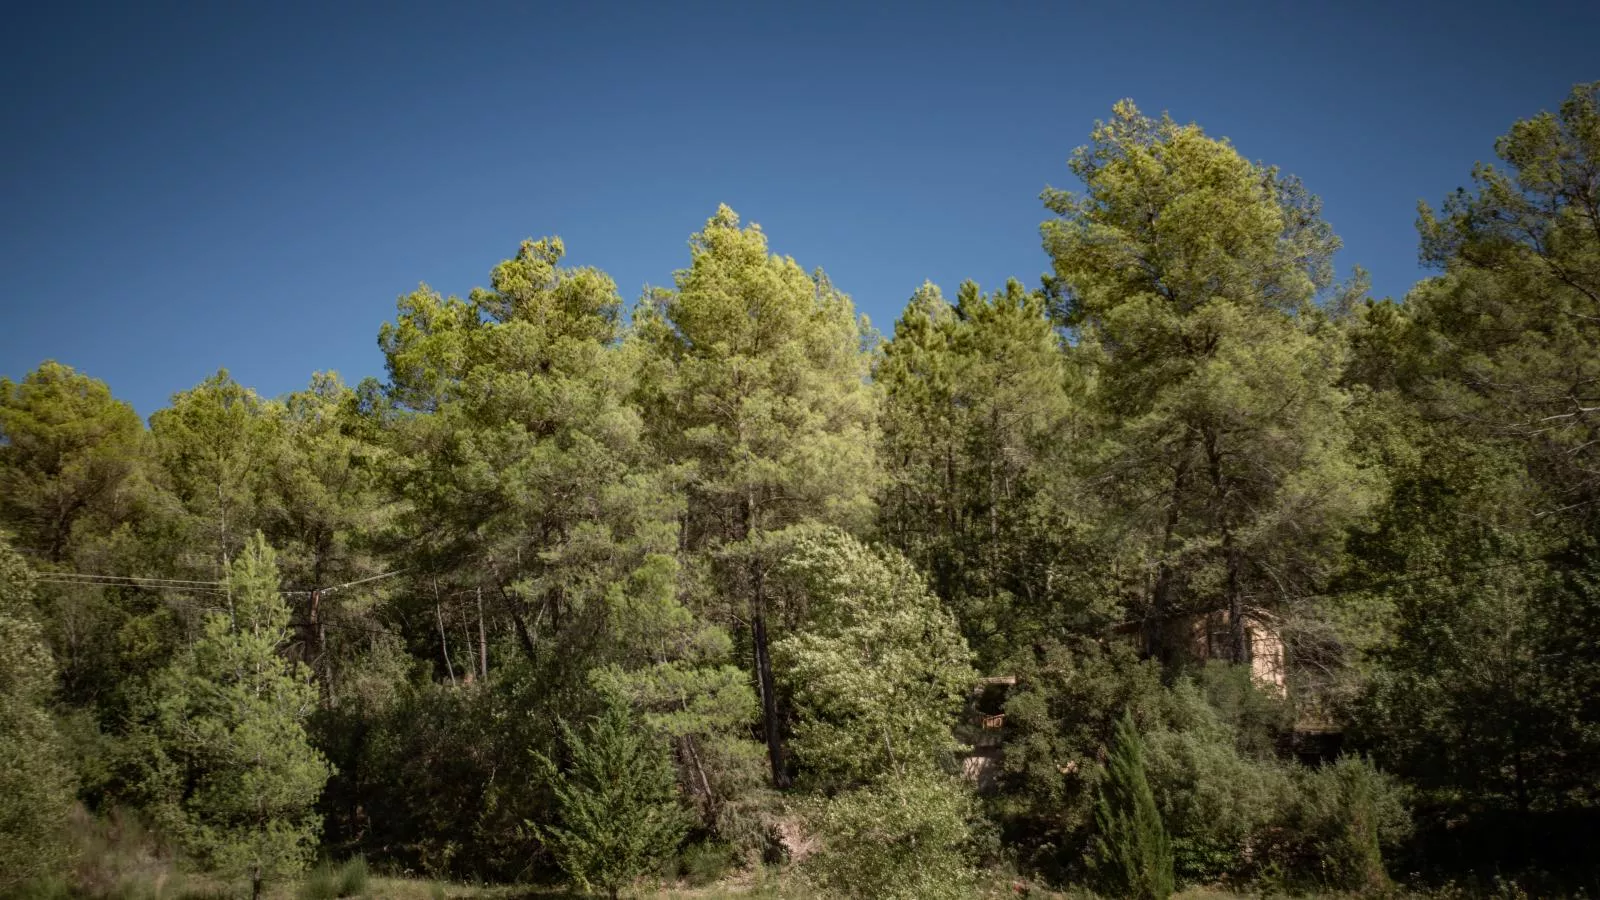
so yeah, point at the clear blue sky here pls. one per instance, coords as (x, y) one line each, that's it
(251, 185)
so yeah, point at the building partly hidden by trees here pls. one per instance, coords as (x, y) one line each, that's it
(1201, 564)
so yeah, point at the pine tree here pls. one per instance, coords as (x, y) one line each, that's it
(1192, 276)
(979, 425)
(67, 447)
(35, 787)
(758, 377)
(616, 800)
(523, 467)
(242, 777)
(1132, 853)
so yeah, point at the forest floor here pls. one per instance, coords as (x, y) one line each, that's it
(746, 887)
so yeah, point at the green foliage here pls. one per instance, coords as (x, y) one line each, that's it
(1189, 450)
(320, 883)
(238, 777)
(617, 803)
(756, 378)
(1132, 854)
(1060, 717)
(67, 451)
(1345, 815)
(903, 836)
(1220, 805)
(1225, 454)
(36, 789)
(1509, 325)
(981, 405)
(1255, 716)
(443, 781)
(706, 863)
(209, 444)
(524, 471)
(879, 671)
(327, 881)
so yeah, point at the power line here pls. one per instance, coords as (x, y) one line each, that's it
(348, 584)
(92, 577)
(76, 579)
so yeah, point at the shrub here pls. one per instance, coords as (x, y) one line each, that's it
(1255, 715)
(1343, 817)
(904, 837)
(329, 882)
(353, 877)
(36, 787)
(321, 883)
(618, 803)
(1217, 802)
(1131, 854)
(706, 863)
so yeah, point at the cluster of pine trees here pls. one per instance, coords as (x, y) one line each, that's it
(1282, 582)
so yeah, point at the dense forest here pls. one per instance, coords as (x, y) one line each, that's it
(1194, 565)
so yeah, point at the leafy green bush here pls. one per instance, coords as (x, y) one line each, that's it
(1217, 802)
(619, 812)
(1059, 717)
(1344, 815)
(905, 837)
(36, 788)
(1255, 715)
(706, 863)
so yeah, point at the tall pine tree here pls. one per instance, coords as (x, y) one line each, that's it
(1191, 276)
(759, 381)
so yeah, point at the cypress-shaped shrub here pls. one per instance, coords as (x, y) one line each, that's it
(1132, 853)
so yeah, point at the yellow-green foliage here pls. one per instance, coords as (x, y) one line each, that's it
(36, 787)
(903, 837)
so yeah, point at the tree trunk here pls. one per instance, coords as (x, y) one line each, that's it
(483, 642)
(1160, 604)
(519, 624)
(444, 648)
(1238, 639)
(769, 698)
(1238, 636)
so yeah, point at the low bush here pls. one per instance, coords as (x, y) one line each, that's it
(327, 881)
(706, 863)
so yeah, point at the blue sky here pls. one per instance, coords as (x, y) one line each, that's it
(186, 187)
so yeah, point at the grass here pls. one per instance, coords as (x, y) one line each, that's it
(330, 882)
(119, 858)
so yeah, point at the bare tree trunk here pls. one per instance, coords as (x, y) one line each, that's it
(483, 642)
(444, 648)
